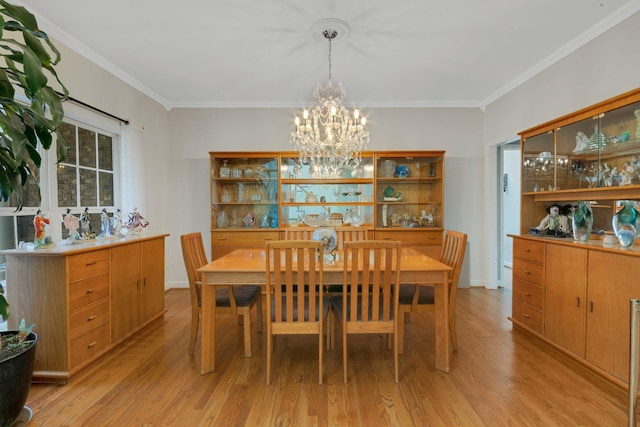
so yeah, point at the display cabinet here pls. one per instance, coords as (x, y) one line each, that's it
(255, 197)
(409, 198)
(591, 154)
(244, 200)
(310, 201)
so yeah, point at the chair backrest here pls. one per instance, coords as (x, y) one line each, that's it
(351, 234)
(343, 234)
(370, 278)
(298, 233)
(453, 249)
(194, 257)
(294, 282)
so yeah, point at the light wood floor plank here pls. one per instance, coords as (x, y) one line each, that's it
(499, 377)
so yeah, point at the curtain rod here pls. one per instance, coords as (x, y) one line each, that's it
(91, 107)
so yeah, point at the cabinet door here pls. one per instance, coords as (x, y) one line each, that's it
(565, 296)
(125, 290)
(613, 281)
(152, 290)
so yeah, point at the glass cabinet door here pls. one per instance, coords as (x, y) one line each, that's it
(244, 192)
(538, 163)
(310, 201)
(409, 191)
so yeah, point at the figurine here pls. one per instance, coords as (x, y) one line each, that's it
(105, 223)
(136, 222)
(249, 220)
(582, 142)
(40, 221)
(555, 223)
(85, 224)
(72, 224)
(116, 223)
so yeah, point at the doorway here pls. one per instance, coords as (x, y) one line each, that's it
(509, 206)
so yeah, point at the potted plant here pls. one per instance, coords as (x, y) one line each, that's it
(17, 355)
(30, 109)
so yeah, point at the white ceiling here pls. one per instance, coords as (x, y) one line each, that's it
(261, 53)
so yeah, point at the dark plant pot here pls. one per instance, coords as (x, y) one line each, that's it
(16, 373)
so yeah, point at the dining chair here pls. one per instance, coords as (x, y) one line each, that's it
(235, 300)
(415, 298)
(296, 301)
(368, 303)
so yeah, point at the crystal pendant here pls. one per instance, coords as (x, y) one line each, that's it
(625, 223)
(582, 221)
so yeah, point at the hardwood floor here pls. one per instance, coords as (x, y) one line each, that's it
(499, 377)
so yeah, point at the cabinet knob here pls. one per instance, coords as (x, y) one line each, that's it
(528, 273)
(91, 344)
(527, 250)
(577, 301)
(526, 294)
(90, 318)
(90, 291)
(526, 316)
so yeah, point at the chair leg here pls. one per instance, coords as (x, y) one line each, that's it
(401, 319)
(269, 350)
(195, 320)
(259, 312)
(320, 355)
(344, 353)
(395, 354)
(452, 330)
(246, 315)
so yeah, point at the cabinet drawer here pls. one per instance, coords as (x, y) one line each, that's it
(528, 293)
(88, 264)
(528, 272)
(83, 292)
(528, 250)
(410, 237)
(527, 315)
(90, 317)
(244, 239)
(89, 345)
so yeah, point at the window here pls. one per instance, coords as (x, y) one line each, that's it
(86, 179)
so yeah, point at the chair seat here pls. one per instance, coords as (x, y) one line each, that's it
(325, 308)
(427, 294)
(336, 303)
(245, 296)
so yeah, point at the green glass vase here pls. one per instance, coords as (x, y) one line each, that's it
(582, 221)
(625, 223)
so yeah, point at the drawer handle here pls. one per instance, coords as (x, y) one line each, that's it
(90, 318)
(578, 302)
(527, 250)
(528, 273)
(527, 294)
(386, 238)
(222, 238)
(90, 291)
(92, 344)
(267, 238)
(526, 316)
(431, 238)
(90, 263)
(591, 306)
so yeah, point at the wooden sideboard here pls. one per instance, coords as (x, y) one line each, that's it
(575, 296)
(85, 298)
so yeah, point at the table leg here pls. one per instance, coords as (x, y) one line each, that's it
(207, 329)
(442, 324)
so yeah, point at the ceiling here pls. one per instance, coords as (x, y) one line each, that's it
(258, 53)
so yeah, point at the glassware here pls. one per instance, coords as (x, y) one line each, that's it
(223, 220)
(224, 170)
(625, 223)
(582, 221)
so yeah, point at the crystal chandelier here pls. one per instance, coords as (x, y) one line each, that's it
(329, 137)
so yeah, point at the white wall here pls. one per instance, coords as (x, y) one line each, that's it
(196, 132)
(603, 68)
(176, 143)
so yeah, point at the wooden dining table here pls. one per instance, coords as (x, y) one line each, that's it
(247, 267)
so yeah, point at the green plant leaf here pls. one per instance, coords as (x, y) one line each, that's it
(20, 14)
